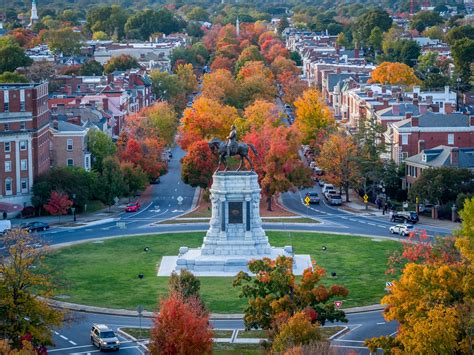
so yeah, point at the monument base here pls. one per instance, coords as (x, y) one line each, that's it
(224, 265)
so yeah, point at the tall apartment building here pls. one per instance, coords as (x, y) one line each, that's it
(24, 139)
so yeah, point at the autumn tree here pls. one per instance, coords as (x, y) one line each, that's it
(220, 86)
(275, 292)
(184, 283)
(277, 164)
(251, 53)
(337, 159)
(394, 74)
(181, 327)
(281, 65)
(221, 62)
(64, 40)
(259, 113)
(58, 204)
(198, 165)
(433, 299)
(187, 77)
(24, 285)
(292, 86)
(134, 178)
(9, 77)
(313, 118)
(168, 87)
(255, 81)
(296, 330)
(121, 63)
(205, 120)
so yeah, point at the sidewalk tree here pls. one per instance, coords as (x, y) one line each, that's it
(101, 146)
(181, 327)
(134, 178)
(58, 204)
(313, 118)
(198, 165)
(337, 159)
(111, 183)
(186, 76)
(275, 292)
(259, 113)
(277, 164)
(255, 81)
(292, 86)
(23, 311)
(168, 87)
(220, 86)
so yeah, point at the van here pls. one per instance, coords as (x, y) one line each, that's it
(5, 225)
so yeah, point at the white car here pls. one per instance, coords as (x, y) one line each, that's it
(402, 229)
(327, 187)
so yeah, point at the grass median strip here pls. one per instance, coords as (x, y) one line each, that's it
(106, 274)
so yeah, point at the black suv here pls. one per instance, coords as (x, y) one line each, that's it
(410, 217)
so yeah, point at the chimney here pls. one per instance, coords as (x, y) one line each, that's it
(423, 107)
(356, 51)
(429, 100)
(471, 121)
(77, 100)
(370, 93)
(421, 145)
(446, 91)
(110, 78)
(416, 90)
(105, 103)
(56, 124)
(410, 115)
(396, 109)
(455, 156)
(68, 89)
(337, 48)
(385, 103)
(415, 101)
(384, 89)
(449, 108)
(415, 121)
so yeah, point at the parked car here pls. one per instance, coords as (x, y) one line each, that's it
(402, 229)
(28, 212)
(335, 199)
(321, 183)
(427, 208)
(287, 106)
(104, 338)
(313, 197)
(327, 187)
(330, 193)
(318, 171)
(411, 217)
(132, 207)
(155, 181)
(5, 226)
(34, 226)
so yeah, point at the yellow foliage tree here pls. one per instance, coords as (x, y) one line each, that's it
(297, 331)
(394, 74)
(313, 117)
(257, 114)
(219, 86)
(187, 77)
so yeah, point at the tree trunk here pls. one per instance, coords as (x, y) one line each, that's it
(269, 203)
(346, 188)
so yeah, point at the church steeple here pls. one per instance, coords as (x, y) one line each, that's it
(237, 26)
(34, 14)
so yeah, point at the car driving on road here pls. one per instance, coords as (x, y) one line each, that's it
(411, 217)
(34, 226)
(132, 207)
(334, 199)
(104, 338)
(402, 229)
(313, 197)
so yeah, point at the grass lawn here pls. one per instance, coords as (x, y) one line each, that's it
(105, 274)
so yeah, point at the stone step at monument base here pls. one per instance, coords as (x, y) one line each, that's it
(224, 265)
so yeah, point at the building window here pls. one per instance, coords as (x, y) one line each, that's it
(6, 107)
(404, 139)
(8, 186)
(24, 185)
(70, 162)
(24, 164)
(7, 147)
(22, 106)
(6, 127)
(451, 138)
(22, 125)
(8, 166)
(69, 144)
(23, 145)
(87, 162)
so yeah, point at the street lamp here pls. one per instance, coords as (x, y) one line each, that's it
(458, 81)
(73, 208)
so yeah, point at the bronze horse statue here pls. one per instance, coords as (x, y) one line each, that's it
(242, 149)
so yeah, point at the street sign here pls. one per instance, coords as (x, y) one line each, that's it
(366, 198)
(180, 200)
(388, 284)
(116, 199)
(307, 200)
(417, 200)
(140, 309)
(405, 204)
(338, 304)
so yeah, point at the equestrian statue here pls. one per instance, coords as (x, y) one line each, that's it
(230, 148)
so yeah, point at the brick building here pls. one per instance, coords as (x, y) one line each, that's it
(417, 133)
(24, 139)
(68, 145)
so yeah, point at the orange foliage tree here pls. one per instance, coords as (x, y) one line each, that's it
(255, 82)
(394, 74)
(223, 63)
(198, 165)
(205, 120)
(278, 166)
(181, 327)
(220, 86)
(257, 114)
(292, 86)
(282, 65)
(337, 159)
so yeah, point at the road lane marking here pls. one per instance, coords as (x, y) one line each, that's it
(62, 336)
(55, 332)
(73, 343)
(380, 323)
(356, 326)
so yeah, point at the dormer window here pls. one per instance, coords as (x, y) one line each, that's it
(424, 158)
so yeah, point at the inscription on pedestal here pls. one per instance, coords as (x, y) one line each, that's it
(235, 213)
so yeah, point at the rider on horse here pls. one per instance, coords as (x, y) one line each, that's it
(231, 140)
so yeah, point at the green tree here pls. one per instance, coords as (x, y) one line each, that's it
(144, 23)
(91, 67)
(23, 287)
(134, 178)
(168, 87)
(101, 146)
(423, 19)
(121, 63)
(282, 25)
(460, 32)
(9, 77)
(441, 185)
(108, 19)
(365, 23)
(197, 14)
(463, 55)
(375, 39)
(184, 283)
(64, 40)
(12, 57)
(111, 183)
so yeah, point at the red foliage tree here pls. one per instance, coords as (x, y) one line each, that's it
(58, 204)
(198, 165)
(182, 327)
(223, 63)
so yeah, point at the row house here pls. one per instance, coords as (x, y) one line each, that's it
(437, 157)
(412, 135)
(24, 139)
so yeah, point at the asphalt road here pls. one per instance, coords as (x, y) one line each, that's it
(74, 337)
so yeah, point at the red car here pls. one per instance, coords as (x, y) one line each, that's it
(132, 207)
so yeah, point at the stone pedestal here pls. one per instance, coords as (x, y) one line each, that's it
(235, 234)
